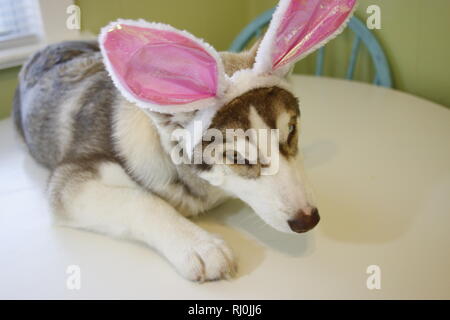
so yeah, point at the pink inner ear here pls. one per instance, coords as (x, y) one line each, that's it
(161, 66)
(307, 23)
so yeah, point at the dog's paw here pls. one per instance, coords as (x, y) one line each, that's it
(208, 259)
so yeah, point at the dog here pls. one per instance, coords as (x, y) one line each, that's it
(110, 158)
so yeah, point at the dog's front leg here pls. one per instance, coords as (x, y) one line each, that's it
(108, 201)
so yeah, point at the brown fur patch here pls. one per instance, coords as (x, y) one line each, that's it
(269, 104)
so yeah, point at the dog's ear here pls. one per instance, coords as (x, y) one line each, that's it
(298, 28)
(254, 49)
(235, 61)
(161, 68)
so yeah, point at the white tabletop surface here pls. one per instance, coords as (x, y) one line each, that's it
(379, 161)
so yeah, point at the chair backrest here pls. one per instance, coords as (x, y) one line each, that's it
(382, 72)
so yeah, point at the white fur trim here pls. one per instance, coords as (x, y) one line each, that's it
(200, 104)
(246, 80)
(284, 69)
(263, 60)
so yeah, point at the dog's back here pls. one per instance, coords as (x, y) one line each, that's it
(61, 106)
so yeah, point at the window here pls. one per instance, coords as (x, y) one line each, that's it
(20, 23)
(28, 25)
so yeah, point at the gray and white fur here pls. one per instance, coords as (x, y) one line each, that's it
(111, 170)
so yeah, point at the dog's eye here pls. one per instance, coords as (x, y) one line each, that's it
(236, 158)
(292, 128)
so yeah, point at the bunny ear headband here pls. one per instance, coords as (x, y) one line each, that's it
(163, 69)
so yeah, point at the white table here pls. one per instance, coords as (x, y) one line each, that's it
(380, 163)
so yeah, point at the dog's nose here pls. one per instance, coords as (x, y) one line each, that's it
(304, 220)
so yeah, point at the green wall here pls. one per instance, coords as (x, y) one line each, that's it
(414, 35)
(8, 82)
(217, 21)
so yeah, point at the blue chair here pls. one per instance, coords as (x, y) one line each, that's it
(362, 34)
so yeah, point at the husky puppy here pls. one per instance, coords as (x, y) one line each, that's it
(111, 168)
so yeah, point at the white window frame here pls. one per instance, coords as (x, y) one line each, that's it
(53, 19)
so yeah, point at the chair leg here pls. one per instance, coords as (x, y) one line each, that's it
(319, 61)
